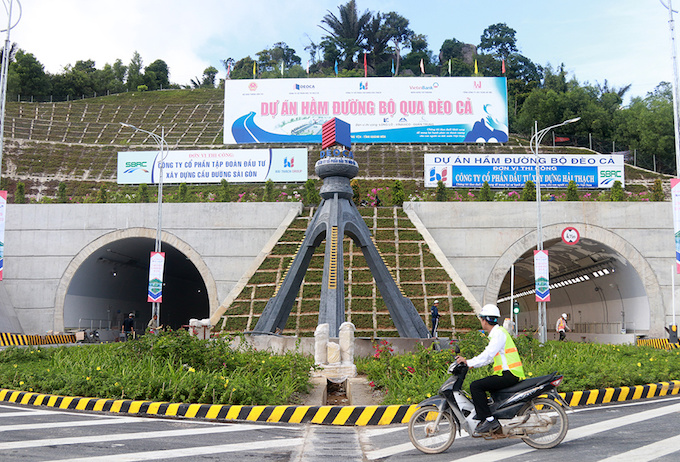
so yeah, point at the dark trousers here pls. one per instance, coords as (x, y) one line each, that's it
(562, 335)
(478, 390)
(435, 324)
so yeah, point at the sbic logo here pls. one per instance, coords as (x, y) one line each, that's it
(135, 164)
(608, 177)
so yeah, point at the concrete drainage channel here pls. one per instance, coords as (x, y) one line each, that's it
(353, 391)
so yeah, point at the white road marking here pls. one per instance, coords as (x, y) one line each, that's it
(125, 436)
(652, 451)
(581, 432)
(77, 423)
(193, 451)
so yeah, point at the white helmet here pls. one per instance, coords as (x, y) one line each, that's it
(564, 315)
(490, 310)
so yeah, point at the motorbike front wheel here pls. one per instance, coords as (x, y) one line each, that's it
(547, 424)
(428, 437)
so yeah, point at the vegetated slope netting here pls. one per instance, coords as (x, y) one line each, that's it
(189, 117)
(414, 267)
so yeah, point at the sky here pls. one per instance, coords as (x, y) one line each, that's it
(621, 41)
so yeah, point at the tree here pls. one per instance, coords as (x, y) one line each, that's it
(134, 72)
(311, 195)
(225, 191)
(376, 45)
(243, 68)
(20, 194)
(398, 34)
(441, 194)
(182, 193)
(346, 31)
(617, 192)
(271, 59)
(646, 125)
(269, 191)
(485, 193)
(30, 77)
(62, 196)
(398, 194)
(499, 40)
(528, 192)
(460, 55)
(143, 193)
(157, 75)
(657, 191)
(102, 195)
(572, 191)
(419, 51)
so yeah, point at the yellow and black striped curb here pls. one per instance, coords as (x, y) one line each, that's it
(324, 415)
(22, 340)
(660, 343)
(612, 395)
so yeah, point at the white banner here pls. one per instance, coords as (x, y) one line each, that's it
(378, 109)
(675, 198)
(514, 170)
(233, 165)
(3, 208)
(156, 266)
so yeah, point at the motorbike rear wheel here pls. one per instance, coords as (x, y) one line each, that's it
(544, 409)
(423, 434)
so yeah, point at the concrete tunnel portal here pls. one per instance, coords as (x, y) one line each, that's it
(112, 282)
(599, 289)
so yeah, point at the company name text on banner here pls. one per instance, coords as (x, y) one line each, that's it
(213, 166)
(514, 170)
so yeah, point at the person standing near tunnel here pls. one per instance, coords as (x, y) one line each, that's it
(128, 327)
(562, 326)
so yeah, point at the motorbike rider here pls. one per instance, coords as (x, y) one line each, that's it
(507, 367)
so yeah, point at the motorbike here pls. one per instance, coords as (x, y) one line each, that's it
(531, 410)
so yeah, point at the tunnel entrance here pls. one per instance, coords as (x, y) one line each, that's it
(112, 282)
(599, 290)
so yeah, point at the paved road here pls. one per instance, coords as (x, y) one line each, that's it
(638, 431)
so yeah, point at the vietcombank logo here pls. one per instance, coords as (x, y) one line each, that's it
(608, 177)
(133, 166)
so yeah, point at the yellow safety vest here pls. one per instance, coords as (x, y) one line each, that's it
(511, 357)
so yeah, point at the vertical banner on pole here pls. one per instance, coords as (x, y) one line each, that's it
(675, 197)
(3, 207)
(542, 274)
(156, 264)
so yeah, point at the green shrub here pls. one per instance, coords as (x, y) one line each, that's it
(617, 194)
(398, 194)
(657, 191)
(528, 192)
(572, 191)
(441, 194)
(485, 194)
(20, 194)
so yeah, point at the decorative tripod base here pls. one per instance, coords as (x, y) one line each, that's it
(336, 216)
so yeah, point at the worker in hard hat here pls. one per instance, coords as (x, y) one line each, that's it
(507, 367)
(561, 327)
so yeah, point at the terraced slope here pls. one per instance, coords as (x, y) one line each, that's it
(404, 251)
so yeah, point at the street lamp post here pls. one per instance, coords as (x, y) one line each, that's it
(534, 143)
(4, 68)
(162, 149)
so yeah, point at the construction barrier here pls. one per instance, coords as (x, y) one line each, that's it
(324, 415)
(660, 343)
(23, 340)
